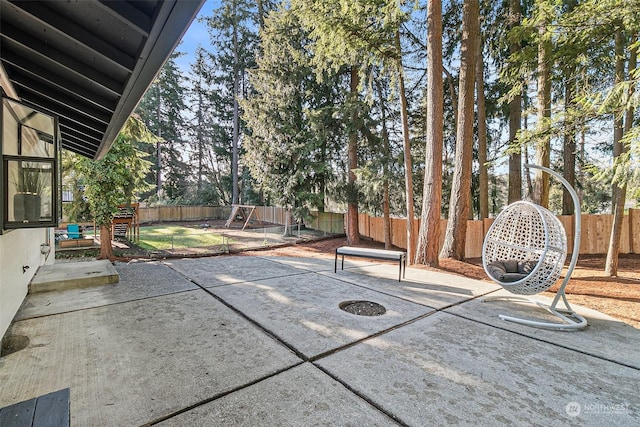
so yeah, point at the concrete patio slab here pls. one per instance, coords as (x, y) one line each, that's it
(70, 275)
(130, 363)
(317, 263)
(596, 339)
(447, 370)
(301, 396)
(420, 286)
(216, 271)
(303, 310)
(137, 281)
(157, 348)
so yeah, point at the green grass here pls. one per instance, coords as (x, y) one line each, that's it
(162, 236)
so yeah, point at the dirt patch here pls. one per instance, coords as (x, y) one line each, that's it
(618, 297)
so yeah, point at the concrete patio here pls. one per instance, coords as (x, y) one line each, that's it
(251, 341)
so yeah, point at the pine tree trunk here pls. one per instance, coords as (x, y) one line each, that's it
(235, 195)
(455, 236)
(619, 149)
(569, 149)
(483, 195)
(569, 146)
(106, 250)
(199, 142)
(159, 148)
(543, 148)
(386, 152)
(408, 168)
(452, 94)
(515, 118)
(429, 235)
(353, 232)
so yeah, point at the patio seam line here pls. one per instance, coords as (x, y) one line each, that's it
(247, 318)
(221, 395)
(522, 334)
(393, 328)
(106, 305)
(372, 336)
(362, 396)
(304, 358)
(293, 349)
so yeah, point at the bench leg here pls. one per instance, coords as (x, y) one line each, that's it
(335, 263)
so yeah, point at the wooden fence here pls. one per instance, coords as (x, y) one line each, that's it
(596, 229)
(594, 238)
(183, 213)
(323, 221)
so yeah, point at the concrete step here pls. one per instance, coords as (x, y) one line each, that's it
(69, 275)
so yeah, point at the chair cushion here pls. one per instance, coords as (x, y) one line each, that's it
(510, 270)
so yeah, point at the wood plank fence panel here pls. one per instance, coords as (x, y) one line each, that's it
(625, 241)
(399, 232)
(567, 222)
(376, 229)
(329, 222)
(182, 213)
(474, 239)
(634, 231)
(363, 225)
(595, 234)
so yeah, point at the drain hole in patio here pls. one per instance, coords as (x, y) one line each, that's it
(363, 308)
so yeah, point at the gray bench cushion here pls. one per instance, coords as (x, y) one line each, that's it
(399, 256)
(369, 252)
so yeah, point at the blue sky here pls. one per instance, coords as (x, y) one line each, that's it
(195, 36)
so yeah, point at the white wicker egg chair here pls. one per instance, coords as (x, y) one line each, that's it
(524, 252)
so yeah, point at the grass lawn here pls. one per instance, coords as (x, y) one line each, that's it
(175, 236)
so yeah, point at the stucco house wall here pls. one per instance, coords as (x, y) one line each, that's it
(18, 249)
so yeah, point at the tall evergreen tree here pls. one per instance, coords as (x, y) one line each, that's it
(429, 235)
(201, 131)
(233, 30)
(161, 110)
(455, 237)
(291, 146)
(543, 16)
(365, 32)
(515, 110)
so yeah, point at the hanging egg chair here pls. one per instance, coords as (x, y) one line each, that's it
(525, 249)
(524, 252)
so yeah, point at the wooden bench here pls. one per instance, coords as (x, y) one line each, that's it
(399, 256)
(51, 410)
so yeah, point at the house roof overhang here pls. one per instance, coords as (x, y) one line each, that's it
(89, 62)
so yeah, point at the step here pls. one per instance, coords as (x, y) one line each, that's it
(71, 275)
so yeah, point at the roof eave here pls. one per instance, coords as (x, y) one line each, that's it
(164, 36)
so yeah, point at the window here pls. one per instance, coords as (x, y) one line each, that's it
(30, 167)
